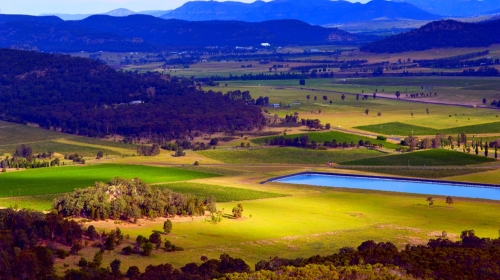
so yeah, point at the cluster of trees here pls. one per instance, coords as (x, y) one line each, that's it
(251, 76)
(130, 200)
(344, 64)
(23, 157)
(93, 99)
(470, 258)
(482, 71)
(303, 141)
(152, 150)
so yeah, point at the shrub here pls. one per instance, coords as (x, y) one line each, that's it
(380, 137)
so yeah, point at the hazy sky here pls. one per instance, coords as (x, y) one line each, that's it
(36, 7)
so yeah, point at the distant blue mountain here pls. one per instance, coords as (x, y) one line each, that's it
(457, 8)
(319, 12)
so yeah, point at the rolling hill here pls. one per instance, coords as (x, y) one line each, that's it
(440, 34)
(146, 33)
(319, 12)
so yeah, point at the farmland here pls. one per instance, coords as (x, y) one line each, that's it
(65, 179)
(287, 155)
(439, 157)
(222, 194)
(332, 135)
(283, 220)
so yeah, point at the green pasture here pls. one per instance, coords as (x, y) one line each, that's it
(436, 157)
(65, 179)
(397, 128)
(341, 137)
(430, 173)
(11, 133)
(287, 155)
(221, 193)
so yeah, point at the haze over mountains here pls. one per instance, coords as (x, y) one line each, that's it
(115, 13)
(320, 12)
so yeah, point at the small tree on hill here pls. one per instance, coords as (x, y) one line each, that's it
(449, 200)
(147, 248)
(486, 150)
(238, 211)
(308, 97)
(430, 199)
(302, 82)
(325, 98)
(167, 226)
(100, 154)
(367, 112)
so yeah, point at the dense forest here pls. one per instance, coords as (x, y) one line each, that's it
(440, 34)
(148, 33)
(30, 241)
(86, 97)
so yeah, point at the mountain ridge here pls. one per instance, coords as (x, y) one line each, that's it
(320, 12)
(440, 34)
(147, 33)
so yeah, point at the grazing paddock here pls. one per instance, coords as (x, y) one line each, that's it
(65, 179)
(287, 155)
(438, 157)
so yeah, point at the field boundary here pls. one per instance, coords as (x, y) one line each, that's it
(429, 181)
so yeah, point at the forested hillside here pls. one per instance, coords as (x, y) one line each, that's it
(86, 97)
(440, 34)
(147, 33)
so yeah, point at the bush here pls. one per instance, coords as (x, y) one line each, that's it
(380, 137)
(196, 163)
(127, 250)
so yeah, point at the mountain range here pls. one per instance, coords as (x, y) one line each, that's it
(457, 8)
(147, 33)
(319, 12)
(440, 34)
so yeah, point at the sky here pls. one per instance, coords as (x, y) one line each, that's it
(37, 7)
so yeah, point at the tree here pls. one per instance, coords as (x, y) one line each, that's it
(486, 150)
(110, 243)
(379, 114)
(325, 98)
(315, 98)
(238, 211)
(155, 238)
(115, 266)
(302, 82)
(430, 199)
(484, 100)
(427, 111)
(97, 259)
(147, 248)
(477, 149)
(308, 97)
(100, 154)
(167, 226)
(342, 97)
(367, 112)
(449, 200)
(398, 94)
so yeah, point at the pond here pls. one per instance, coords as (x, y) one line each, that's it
(429, 187)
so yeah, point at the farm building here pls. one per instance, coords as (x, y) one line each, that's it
(265, 44)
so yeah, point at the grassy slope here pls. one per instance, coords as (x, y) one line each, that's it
(421, 158)
(397, 128)
(66, 179)
(287, 155)
(221, 194)
(331, 135)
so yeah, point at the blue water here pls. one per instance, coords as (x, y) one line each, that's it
(394, 185)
